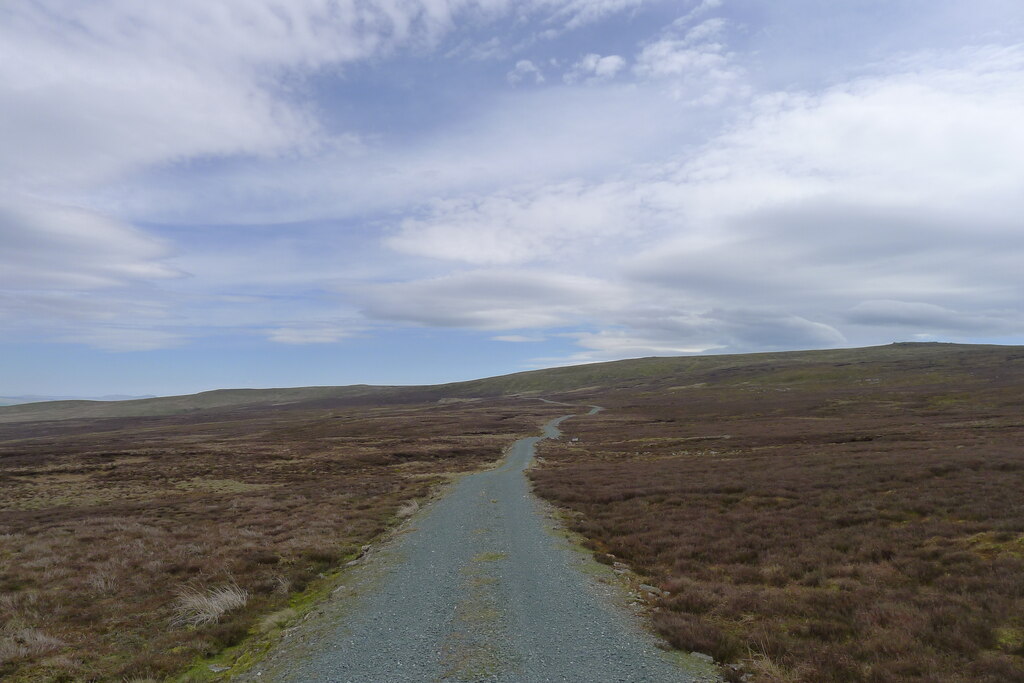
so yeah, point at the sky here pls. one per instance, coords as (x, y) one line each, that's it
(227, 193)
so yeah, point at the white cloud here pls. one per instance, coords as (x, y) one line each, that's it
(304, 334)
(572, 14)
(898, 187)
(489, 300)
(122, 338)
(912, 313)
(65, 273)
(618, 343)
(693, 64)
(47, 246)
(92, 95)
(90, 91)
(671, 58)
(519, 227)
(518, 338)
(928, 318)
(669, 332)
(525, 137)
(593, 68)
(112, 86)
(694, 14)
(886, 201)
(523, 70)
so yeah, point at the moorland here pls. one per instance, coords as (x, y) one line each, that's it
(827, 516)
(840, 515)
(136, 548)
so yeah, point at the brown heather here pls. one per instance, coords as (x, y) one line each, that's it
(131, 548)
(817, 517)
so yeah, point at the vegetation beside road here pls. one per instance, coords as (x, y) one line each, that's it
(131, 548)
(828, 516)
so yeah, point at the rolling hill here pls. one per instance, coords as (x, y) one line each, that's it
(653, 373)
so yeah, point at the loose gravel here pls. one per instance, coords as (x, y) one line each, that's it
(479, 587)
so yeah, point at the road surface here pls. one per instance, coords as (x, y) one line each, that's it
(480, 587)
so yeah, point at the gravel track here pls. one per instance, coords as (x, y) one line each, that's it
(477, 588)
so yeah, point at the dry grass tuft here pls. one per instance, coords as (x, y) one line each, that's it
(196, 606)
(407, 509)
(25, 643)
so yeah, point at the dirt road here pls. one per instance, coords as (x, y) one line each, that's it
(479, 588)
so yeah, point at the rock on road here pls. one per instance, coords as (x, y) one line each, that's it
(478, 589)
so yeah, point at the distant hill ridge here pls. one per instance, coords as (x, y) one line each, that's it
(655, 373)
(17, 400)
